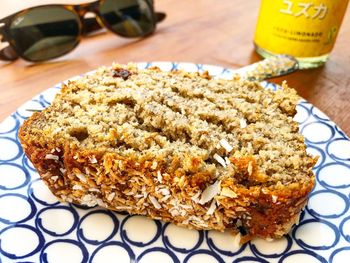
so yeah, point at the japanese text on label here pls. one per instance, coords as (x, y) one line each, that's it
(304, 9)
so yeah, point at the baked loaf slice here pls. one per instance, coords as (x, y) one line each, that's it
(176, 146)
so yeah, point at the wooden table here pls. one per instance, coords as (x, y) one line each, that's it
(203, 31)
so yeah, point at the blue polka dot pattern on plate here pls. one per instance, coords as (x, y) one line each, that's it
(340, 255)
(13, 149)
(250, 259)
(161, 254)
(334, 175)
(303, 113)
(345, 228)
(41, 194)
(93, 232)
(316, 234)
(64, 250)
(10, 124)
(302, 256)
(324, 132)
(110, 251)
(16, 208)
(140, 231)
(339, 149)
(328, 204)
(224, 243)
(35, 227)
(315, 151)
(279, 247)
(48, 96)
(319, 114)
(29, 107)
(181, 239)
(20, 241)
(57, 220)
(13, 176)
(203, 256)
(27, 164)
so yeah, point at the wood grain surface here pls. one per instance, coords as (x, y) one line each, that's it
(202, 31)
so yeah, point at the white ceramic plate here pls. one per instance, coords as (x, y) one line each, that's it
(34, 227)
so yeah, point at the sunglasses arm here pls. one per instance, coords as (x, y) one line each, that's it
(160, 16)
(7, 53)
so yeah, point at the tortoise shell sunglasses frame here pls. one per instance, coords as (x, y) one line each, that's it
(9, 51)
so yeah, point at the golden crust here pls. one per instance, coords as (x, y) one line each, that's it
(255, 211)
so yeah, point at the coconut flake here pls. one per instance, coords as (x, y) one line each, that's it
(242, 123)
(174, 211)
(237, 241)
(240, 209)
(228, 192)
(57, 130)
(100, 202)
(212, 208)
(89, 200)
(227, 161)
(54, 178)
(226, 145)
(183, 213)
(250, 168)
(77, 187)
(92, 189)
(274, 198)
(196, 219)
(51, 157)
(264, 190)
(144, 192)
(195, 198)
(164, 191)
(297, 221)
(187, 207)
(220, 160)
(62, 170)
(165, 198)
(154, 165)
(93, 159)
(81, 177)
(159, 176)
(110, 197)
(123, 207)
(154, 202)
(209, 192)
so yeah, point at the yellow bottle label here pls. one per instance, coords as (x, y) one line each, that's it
(301, 28)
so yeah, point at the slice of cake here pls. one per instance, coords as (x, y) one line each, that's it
(176, 146)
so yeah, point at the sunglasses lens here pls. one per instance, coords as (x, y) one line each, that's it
(45, 32)
(128, 18)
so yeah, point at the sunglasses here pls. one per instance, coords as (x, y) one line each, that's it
(46, 32)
